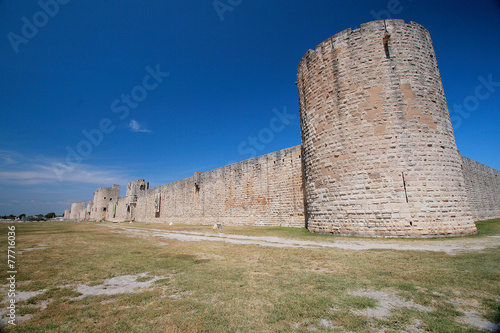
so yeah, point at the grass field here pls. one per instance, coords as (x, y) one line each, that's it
(209, 286)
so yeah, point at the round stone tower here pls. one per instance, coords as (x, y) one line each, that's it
(379, 153)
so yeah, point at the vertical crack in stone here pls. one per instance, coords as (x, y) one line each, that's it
(404, 185)
(386, 45)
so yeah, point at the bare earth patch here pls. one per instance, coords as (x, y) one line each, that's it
(386, 303)
(160, 244)
(117, 285)
(20, 296)
(39, 247)
(473, 319)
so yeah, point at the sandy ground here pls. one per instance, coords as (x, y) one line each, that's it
(20, 296)
(386, 303)
(445, 245)
(39, 247)
(117, 285)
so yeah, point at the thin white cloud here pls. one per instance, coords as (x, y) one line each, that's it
(31, 171)
(7, 158)
(38, 184)
(46, 174)
(136, 127)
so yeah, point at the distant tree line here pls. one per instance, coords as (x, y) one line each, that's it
(38, 217)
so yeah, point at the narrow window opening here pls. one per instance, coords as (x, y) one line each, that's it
(386, 46)
(104, 198)
(104, 209)
(197, 188)
(404, 185)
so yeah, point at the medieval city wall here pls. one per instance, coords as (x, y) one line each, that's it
(88, 210)
(378, 154)
(77, 211)
(266, 190)
(103, 197)
(483, 189)
(380, 157)
(117, 211)
(482, 184)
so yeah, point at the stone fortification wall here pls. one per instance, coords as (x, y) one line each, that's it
(266, 190)
(117, 210)
(77, 211)
(103, 197)
(483, 189)
(378, 154)
(380, 157)
(88, 210)
(124, 208)
(135, 189)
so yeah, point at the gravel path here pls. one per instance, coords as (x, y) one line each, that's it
(445, 245)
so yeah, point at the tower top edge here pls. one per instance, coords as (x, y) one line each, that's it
(376, 25)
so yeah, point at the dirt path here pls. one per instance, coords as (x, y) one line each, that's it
(446, 245)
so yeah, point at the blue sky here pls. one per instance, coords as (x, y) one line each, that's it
(102, 92)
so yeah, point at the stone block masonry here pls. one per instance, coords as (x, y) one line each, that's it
(482, 184)
(266, 190)
(378, 154)
(380, 157)
(77, 211)
(103, 197)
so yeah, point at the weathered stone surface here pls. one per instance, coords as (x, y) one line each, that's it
(77, 211)
(266, 191)
(104, 199)
(261, 191)
(380, 157)
(67, 214)
(483, 189)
